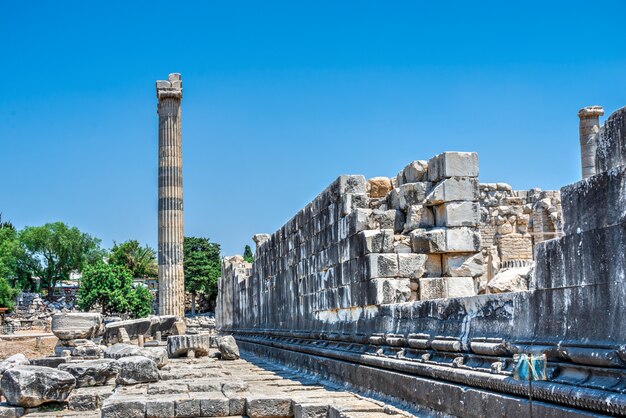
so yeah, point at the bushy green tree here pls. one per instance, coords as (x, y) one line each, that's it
(140, 261)
(7, 294)
(202, 267)
(55, 250)
(247, 255)
(110, 287)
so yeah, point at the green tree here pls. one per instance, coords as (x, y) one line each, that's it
(247, 255)
(55, 250)
(7, 294)
(110, 287)
(140, 261)
(10, 251)
(202, 266)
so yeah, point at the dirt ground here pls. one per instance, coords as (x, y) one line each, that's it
(28, 347)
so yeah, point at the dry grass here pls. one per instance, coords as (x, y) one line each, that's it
(28, 347)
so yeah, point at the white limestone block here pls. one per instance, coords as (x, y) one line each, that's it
(463, 265)
(445, 240)
(453, 189)
(418, 216)
(457, 214)
(381, 265)
(453, 164)
(412, 266)
(446, 287)
(389, 290)
(412, 173)
(377, 241)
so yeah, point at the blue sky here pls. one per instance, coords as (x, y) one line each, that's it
(282, 97)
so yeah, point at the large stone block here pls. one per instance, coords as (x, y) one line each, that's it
(446, 287)
(268, 407)
(181, 345)
(408, 194)
(595, 202)
(414, 172)
(120, 350)
(463, 265)
(376, 241)
(91, 372)
(31, 386)
(453, 164)
(136, 369)
(381, 265)
(418, 216)
(412, 266)
(379, 186)
(611, 142)
(457, 214)
(70, 326)
(228, 347)
(445, 240)
(133, 328)
(8, 411)
(124, 407)
(388, 290)
(510, 280)
(453, 190)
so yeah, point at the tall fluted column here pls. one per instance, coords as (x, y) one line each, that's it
(171, 275)
(589, 127)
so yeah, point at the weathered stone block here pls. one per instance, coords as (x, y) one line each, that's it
(71, 326)
(388, 290)
(213, 404)
(446, 287)
(187, 407)
(510, 280)
(445, 240)
(408, 194)
(268, 407)
(381, 265)
(411, 266)
(180, 345)
(457, 214)
(418, 216)
(124, 407)
(162, 407)
(92, 372)
(376, 241)
(434, 266)
(136, 369)
(414, 172)
(156, 354)
(453, 164)
(379, 186)
(228, 347)
(31, 386)
(452, 190)
(133, 327)
(463, 265)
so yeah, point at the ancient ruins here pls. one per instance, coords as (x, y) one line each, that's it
(423, 294)
(431, 287)
(171, 226)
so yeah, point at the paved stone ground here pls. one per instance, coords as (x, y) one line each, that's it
(206, 387)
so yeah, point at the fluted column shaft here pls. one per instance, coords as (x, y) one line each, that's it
(171, 226)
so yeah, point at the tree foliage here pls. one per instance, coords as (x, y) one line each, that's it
(7, 294)
(55, 250)
(247, 255)
(202, 265)
(10, 252)
(140, 261)
(110, 287)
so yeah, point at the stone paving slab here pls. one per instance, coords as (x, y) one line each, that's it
(207, 387)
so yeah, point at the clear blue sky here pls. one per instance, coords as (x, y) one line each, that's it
(282, 97)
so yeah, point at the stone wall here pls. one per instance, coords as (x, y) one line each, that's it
(330, 289)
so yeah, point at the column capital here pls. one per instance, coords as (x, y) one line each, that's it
(591, 112)
(170, 88)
